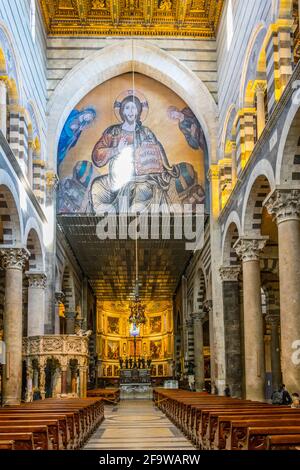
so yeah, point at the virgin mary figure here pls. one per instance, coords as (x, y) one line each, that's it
(139, 172)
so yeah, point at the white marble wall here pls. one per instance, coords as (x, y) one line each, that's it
(64, 53)
(246, 17)
(30, 55)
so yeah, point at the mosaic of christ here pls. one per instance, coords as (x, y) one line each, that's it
(121, 148)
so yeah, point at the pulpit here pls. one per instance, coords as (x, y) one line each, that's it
(135, 384)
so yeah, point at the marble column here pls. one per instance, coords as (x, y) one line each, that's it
(198, 319)
(284, 205)
(232, 328)
(249, 250)
(70, 322)
(36, 302)
(13, 260)
(260, 107)
(83, 381)
(42, 384)
(64, 379)
(3, 108)
(29, 384)
(273, 321)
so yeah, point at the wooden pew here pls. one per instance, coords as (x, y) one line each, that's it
(7, 445)
(75, 419)
(283, 442)
(200, 416)
(22, 440)
(39, 432)
(111, 396)
(55, 436)
(239, 438)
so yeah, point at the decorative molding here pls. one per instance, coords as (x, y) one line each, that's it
(60, 347)
(229, 273)
(36, 280)
(200, 316)
(283, 204)
(249, 249)
(14, 258)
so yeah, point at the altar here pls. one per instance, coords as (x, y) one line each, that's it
(135, 384)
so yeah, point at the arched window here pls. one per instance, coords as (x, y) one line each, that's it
(32, 19)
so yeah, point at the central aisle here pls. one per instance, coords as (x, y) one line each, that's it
(134, 425)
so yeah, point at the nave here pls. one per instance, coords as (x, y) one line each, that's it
(137, 425)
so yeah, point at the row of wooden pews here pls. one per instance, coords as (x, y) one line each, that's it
(109, 395)
(222, 423)
(51, 424)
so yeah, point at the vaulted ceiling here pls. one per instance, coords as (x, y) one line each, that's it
(191, 18)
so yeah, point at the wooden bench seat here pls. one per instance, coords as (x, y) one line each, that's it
(7, 445)
(238, 437)
(219, 426)
(22, 440)
(283, 442)
(58, 439)
(69, 422)
(40, 434)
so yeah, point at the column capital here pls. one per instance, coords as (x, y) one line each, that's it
(229, 273)
(213, 172)
(259, 86)
(199, 316)
(283, 204)
(14, 257)
(248, 249)
(273, 319)
(3, 83)
(36, 279)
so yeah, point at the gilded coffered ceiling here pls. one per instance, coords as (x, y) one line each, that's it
(189, 18)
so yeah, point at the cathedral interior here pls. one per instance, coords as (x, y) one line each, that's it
(150, 216)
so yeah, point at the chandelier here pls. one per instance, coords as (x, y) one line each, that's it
(137, 309)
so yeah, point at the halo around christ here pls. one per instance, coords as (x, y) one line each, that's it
(139, 95)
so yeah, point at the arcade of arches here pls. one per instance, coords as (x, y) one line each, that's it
(121, 126)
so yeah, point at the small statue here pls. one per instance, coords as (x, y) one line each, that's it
(130, 363)
(126, 363)
(80, 332)
(143, 363)
(121, 363)
(149, 363)
(165, 5)
(139, 362)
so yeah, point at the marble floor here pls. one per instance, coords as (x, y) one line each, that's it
(137, 425)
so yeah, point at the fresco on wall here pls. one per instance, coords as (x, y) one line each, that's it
(155, 324)
(113, 325)
(120, 148)
(155, 349)
(113, 350)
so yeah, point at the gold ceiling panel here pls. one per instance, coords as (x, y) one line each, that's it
(189, 18)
